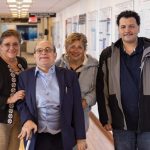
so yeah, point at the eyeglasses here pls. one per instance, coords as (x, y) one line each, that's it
(45, 50)
(8, 45)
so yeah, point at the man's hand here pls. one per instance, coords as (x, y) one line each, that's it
(81, 144)
(27, 130)
(108, 127)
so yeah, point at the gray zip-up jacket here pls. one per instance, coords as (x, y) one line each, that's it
(108, 88)
(87, 81)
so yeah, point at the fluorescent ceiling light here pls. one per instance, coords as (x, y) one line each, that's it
(13, 9)
(19, 1)
(14, 13)
(25, 6)
(27, 1)
(24, 9)
(11, 1)
(24, 12)
(19, 6)
(13, 5)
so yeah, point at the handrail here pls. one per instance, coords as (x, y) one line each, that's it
(99, 125)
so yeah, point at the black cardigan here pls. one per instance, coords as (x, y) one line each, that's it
(8, 86)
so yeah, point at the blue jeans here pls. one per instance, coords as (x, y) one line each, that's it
(131, 140)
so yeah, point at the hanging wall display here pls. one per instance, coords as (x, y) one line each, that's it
(68, 26)
(75, 23)
(82, 23)
(92, 30)
(105, 22)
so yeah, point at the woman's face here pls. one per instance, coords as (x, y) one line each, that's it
(76, 51)
(10, 47)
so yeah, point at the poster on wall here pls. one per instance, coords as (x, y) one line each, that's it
(145, 23)
(143, 1)
(75, 21)
(68, 26)
(82, 23)
(57, 38)
(105, 21)
(144, 5)
(56, 34)
(92, 30)
(28, 32)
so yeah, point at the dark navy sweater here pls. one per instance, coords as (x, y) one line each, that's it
(129, 80)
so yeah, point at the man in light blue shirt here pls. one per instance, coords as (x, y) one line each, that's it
(52, 105)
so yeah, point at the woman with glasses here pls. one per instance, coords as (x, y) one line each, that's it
(10, 66)
(85, 67)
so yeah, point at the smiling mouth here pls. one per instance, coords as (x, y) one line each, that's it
(75, 55)
(43, 57)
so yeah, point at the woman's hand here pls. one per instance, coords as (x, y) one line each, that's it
(17, 96)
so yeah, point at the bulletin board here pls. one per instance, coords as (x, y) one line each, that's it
(105, 22)
(82, 23)
(92, 20)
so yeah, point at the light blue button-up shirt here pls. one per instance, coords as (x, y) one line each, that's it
(48, 101)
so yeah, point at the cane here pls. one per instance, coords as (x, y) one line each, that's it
(28, 144)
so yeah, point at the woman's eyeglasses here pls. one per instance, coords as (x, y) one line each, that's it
(8, 45)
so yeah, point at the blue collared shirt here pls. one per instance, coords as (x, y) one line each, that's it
(48, 101)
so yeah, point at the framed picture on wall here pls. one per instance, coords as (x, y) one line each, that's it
(28, 32)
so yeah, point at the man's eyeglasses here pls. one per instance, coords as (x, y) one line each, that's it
(8, 45)
(45, 50)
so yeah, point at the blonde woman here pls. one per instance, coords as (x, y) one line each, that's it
(85, 66)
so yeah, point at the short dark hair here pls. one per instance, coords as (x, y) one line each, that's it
(9, 33)
(128, 14)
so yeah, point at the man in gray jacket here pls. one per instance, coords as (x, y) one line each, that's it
(123, 86)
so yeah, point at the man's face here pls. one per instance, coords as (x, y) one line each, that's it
(128, 29)
(44, 55)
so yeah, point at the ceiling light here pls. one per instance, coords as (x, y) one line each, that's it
(19, 6)
(13, 5)
(25, 6)
(11, 1)
(27, 1)
(24, 9)
(13, 9)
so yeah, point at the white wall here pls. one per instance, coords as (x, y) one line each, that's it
(85, 6)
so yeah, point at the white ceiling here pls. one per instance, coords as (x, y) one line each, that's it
(38, 6)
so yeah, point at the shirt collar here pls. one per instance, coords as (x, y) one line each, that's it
(138, 49)
(39, 71)
(85, 60)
